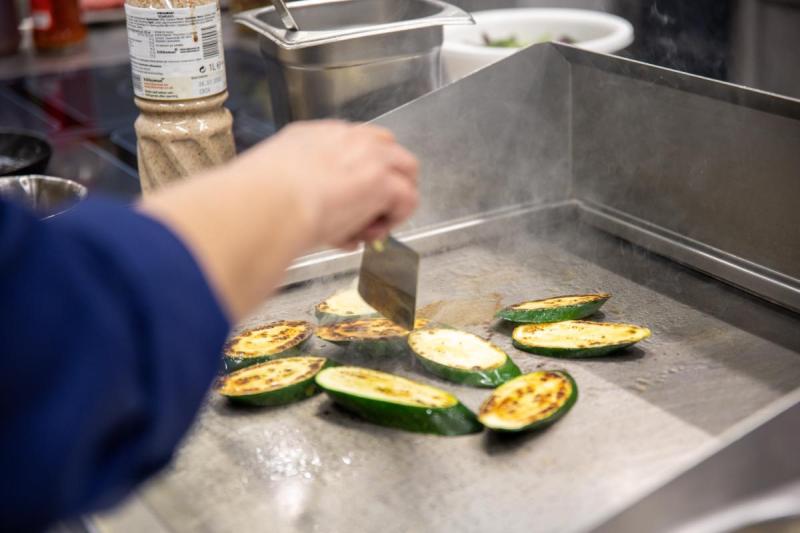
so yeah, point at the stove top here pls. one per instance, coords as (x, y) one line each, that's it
(88, 116)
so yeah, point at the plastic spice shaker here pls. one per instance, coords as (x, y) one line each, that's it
(178, 71)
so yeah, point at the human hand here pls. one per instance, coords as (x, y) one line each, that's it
(312, 184)
(352, 182)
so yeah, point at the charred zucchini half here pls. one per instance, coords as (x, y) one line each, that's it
(530, 401)
(392, 401)
(270, 341)
(462, 357)
(577, 338)
(345, 305)
(366, 329)
(554, 309)
(275, 382)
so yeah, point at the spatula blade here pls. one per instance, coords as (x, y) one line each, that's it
(388, 280)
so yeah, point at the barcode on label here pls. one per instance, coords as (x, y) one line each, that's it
(138, 87)
(210, 42)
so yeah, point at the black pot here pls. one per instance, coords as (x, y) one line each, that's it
(23, 152)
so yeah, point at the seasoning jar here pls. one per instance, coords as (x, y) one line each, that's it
(178, 71)
(56, 24)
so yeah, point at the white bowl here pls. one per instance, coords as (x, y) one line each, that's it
(463, 51)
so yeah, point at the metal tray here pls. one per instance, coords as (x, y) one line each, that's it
(716, 356)
(323, 22)
(529, 190)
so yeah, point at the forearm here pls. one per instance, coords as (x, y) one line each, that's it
(224, 216)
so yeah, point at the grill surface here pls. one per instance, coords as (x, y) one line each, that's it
(699, 171)
(716, 356)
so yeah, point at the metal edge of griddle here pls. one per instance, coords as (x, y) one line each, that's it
(750, 431)
(756, 279)
(425, 240)
(740, 95)
(782, 503)
(746, 275)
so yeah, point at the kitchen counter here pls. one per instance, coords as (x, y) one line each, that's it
(107, 45)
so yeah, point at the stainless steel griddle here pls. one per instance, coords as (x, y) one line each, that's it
(555, 171)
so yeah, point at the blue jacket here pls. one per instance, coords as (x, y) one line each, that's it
(109, 339)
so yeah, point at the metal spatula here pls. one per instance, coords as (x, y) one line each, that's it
(388, 280)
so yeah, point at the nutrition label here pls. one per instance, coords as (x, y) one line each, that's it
(176, 54)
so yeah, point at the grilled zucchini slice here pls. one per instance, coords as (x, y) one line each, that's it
(530, 401)
(270, 341)
(345, 305)
(554, 309)
(462, 357)
(392, 401)
(366, 329)
(577, 338)
(275, 382)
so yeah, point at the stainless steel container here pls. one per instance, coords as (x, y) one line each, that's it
(352, 59)
(46, 195)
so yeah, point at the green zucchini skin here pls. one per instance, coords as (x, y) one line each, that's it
(375, 348)
(473, 378)
(428, 343)
(555, 314)
(232, 364)
(596, 350)
(286, 395)
(379, 348)
(290, 394)
(365, 330)
(394, 401)
(393, 343)
(324, 318)
(571, 353)
(552, 419)
(233, 360)
(328, 312)
(450, 421)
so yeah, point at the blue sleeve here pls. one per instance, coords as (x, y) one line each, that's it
(110, 338)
